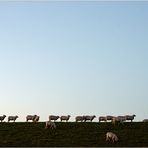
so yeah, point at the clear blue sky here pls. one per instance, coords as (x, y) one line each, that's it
(74, 58)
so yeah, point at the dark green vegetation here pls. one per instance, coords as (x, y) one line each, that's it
(72, 134)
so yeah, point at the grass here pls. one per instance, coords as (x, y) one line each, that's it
(73, 134)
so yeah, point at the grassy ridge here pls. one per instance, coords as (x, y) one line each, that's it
(72, 134)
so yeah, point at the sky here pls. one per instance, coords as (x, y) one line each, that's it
(76, 58)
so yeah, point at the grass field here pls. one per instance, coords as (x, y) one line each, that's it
(72, 134)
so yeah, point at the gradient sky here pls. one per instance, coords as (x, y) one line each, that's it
(74, 58)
